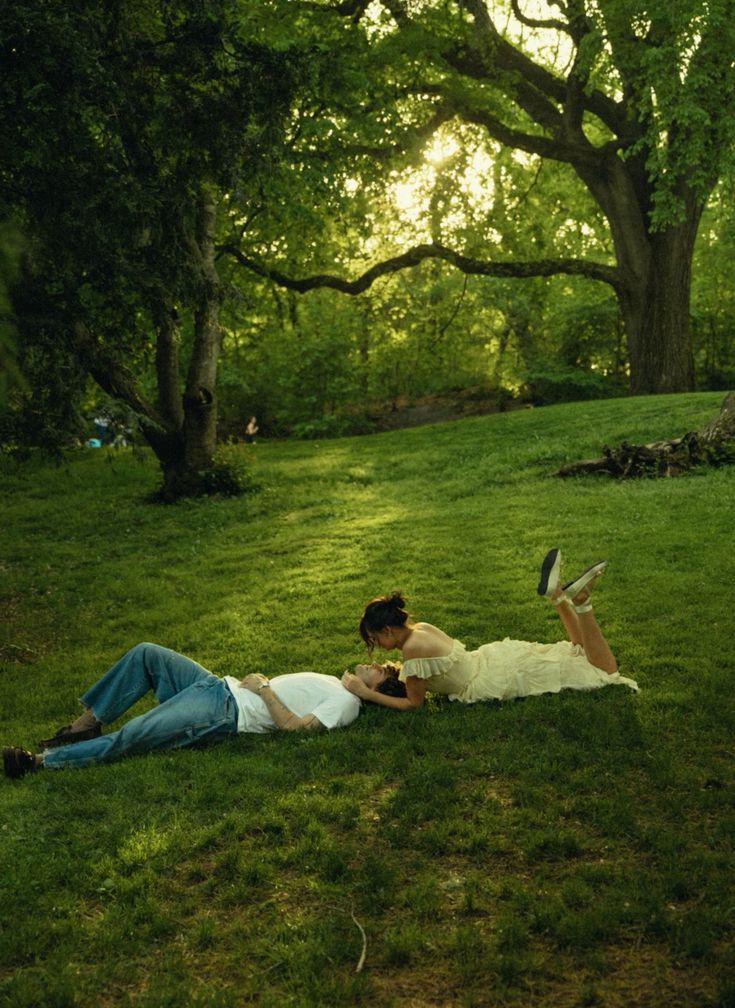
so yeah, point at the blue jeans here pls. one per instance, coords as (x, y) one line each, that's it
(193, 706)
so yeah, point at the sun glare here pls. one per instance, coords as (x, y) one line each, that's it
(411, 193)
(409, 197)
(441, 149)
(450, 156)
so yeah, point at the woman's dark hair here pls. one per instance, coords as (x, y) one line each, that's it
(392, 685)
(384, 611)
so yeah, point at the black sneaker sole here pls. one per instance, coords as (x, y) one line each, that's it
(546, 568)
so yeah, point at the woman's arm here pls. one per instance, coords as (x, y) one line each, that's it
(415, 690)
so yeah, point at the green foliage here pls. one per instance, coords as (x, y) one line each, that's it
(329, 427)
(553, 384)
(231, 473)
(44, 410)
(11, 244)
(713, 314)
(121, 124)
(307, 125)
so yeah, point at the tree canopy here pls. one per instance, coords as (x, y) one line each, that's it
(182, 173)
(634, 101)
(126, 123)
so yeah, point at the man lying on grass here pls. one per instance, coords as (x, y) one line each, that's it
(193, 706)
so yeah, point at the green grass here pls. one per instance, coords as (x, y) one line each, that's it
(570, 850)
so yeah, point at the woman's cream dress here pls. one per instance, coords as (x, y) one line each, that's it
(510, 668)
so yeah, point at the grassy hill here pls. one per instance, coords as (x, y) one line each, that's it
(570, 850)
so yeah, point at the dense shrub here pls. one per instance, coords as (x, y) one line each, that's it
(230, 474)
(549, 385)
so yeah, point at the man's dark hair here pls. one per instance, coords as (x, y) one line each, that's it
(392, 685)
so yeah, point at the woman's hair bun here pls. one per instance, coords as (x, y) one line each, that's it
(385, 611)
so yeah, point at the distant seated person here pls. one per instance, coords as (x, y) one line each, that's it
(251, 430)
(102, 427)
(194, 706)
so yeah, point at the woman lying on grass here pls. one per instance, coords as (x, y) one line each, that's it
(435, 662)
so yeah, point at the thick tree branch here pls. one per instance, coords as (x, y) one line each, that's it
(532, 143)
(553, 23)
(414, 256)
(507, 57)
(536, 101)
(538, 91)
(165, 322)
(114, 378)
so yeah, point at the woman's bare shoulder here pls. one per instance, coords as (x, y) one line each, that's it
(428, 627)
(427, 641)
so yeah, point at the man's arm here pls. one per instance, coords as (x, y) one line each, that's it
(285, 719)
(415, 692)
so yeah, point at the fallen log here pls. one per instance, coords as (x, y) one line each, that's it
(713, 445)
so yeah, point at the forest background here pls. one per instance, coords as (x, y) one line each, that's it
(533, 203)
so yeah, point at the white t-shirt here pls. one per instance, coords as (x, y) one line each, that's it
(303, 693)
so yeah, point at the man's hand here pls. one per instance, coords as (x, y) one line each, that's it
(283, 718)
(355, 685)
(254, 681)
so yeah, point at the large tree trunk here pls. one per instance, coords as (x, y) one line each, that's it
(713, 445)
(181, 430)
(656, 271)
(185, 456)
(655, 308)
(165, 320)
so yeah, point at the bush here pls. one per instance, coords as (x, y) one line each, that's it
(231, 474)
(549, 385)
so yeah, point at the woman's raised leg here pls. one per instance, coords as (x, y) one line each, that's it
(596, 648)
(550, 587)
(573, 605)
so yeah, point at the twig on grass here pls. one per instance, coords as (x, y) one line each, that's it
(361, 929)
(361, 960)
(22, 647)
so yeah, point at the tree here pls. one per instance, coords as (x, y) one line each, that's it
(124, 126)
(10, 251)
(634, 98)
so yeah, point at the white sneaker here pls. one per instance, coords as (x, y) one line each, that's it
(572, 588)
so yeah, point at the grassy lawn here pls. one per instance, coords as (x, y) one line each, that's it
(570, 850)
